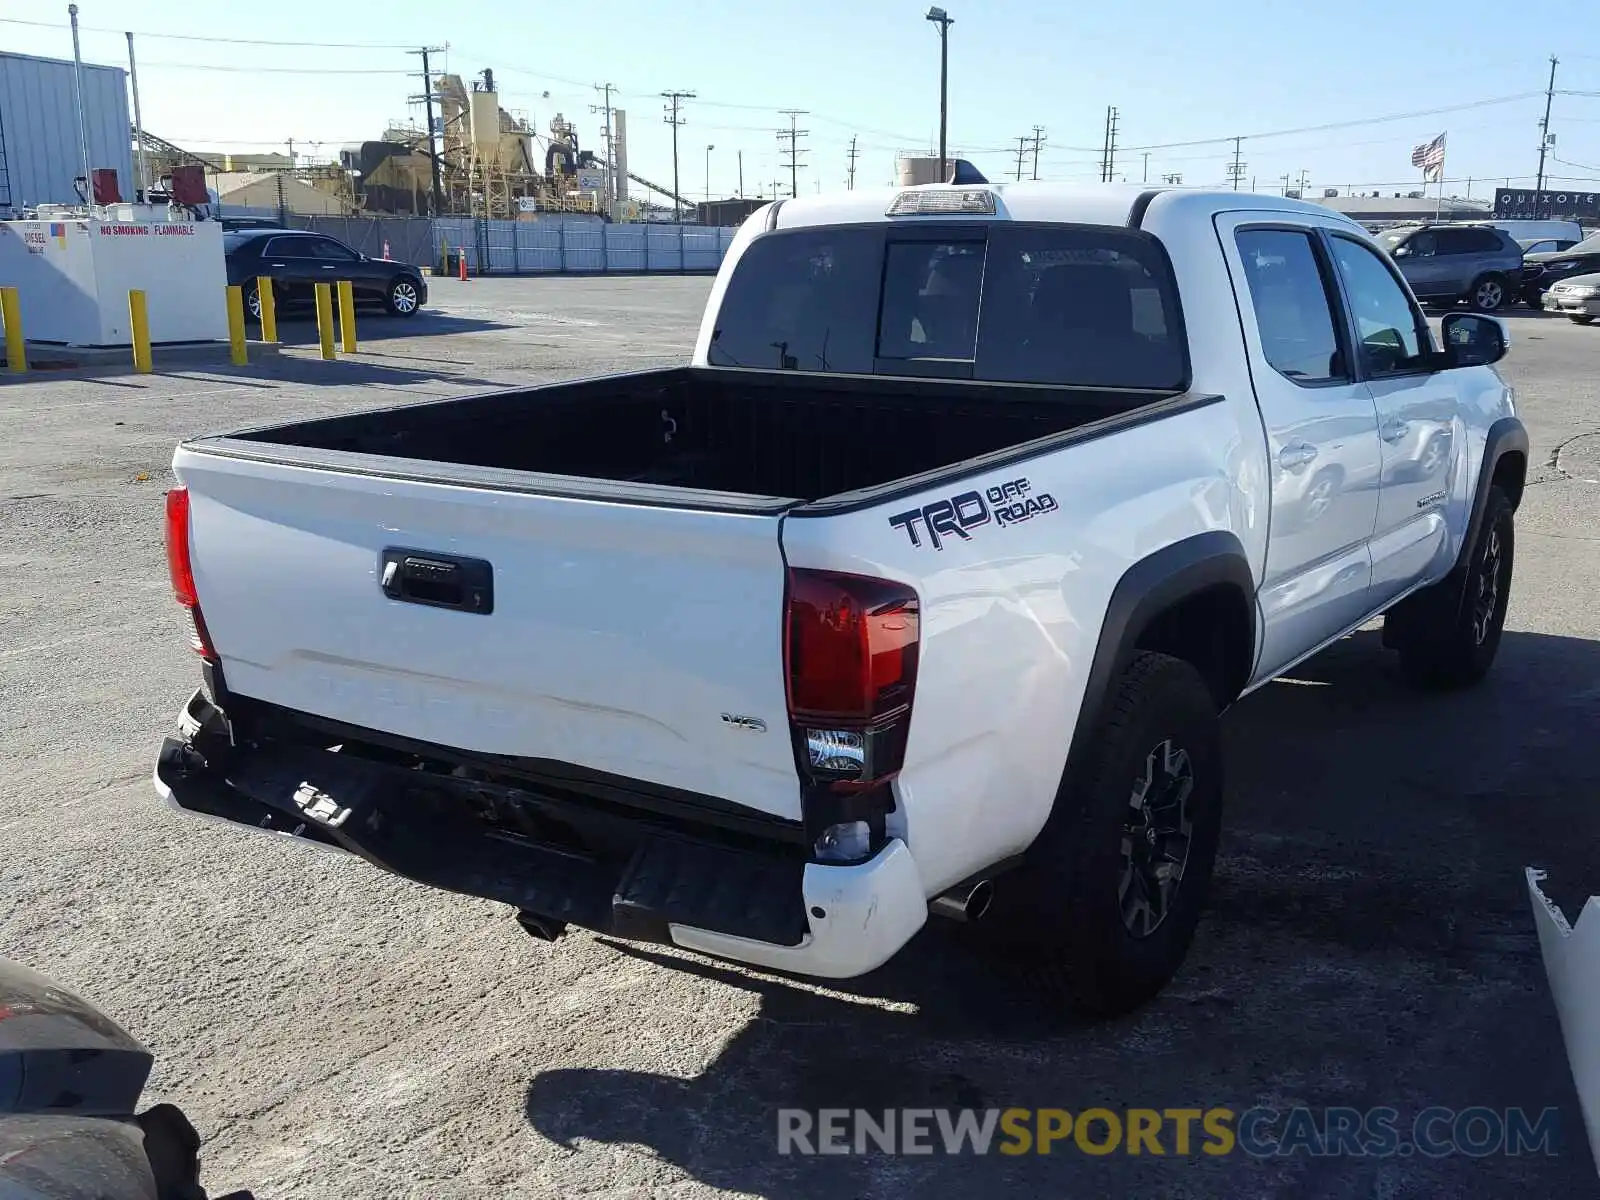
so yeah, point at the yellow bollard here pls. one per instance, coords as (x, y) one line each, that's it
(347, 316)
(325, 318)
(236, 326)
(11, 315)
(139, 324)
(269, 309)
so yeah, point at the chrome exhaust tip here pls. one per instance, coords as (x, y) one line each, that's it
(966, 902)
(539, 927)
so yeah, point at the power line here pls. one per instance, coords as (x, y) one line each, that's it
(191, 66)
(195, 37)
(793, 135)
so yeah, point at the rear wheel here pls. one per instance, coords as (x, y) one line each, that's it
(1583, 320)
(1488, 293)
(402, 298)
(1115, 885)
(252, 301)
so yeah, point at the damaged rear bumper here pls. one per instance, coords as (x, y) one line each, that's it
(584, 854)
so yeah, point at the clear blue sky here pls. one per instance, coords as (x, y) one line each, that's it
(1176, 70)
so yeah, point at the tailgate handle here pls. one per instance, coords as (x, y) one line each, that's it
(438, 580)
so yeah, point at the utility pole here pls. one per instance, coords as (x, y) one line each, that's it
(793, 135)
(1236, 167)
(1038, 140)
(1544, 138)
(1108, 157)
(1305, 181)
(673, 100)
(1022, 150)
(1147, 166)
(740, 153)
(851, 184)
(611, 161)
(943, 20)
(1174, 179)
(427, 104)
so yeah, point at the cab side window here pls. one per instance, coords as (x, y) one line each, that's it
(1292, 298)
(1392, 336)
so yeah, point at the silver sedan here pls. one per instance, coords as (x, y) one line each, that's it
(1577, 299)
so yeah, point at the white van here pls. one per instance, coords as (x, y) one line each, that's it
(1530, 231)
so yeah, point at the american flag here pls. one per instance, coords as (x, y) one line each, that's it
(1430, 157)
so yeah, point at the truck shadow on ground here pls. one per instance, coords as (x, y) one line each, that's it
(1370, 943)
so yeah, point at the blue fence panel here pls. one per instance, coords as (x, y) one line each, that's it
(585, 245)
(663, 246)
(539, 245)
(501, 238)
(701, 249)
(458, 233)
(625, 248)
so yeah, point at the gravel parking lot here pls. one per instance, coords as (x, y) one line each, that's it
(338, 1033)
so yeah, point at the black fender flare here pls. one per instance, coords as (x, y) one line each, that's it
(1507, 435)
(1148, 588)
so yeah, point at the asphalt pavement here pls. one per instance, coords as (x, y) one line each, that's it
(338, 1033)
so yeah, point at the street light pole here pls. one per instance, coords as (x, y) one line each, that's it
(943, 20)
(709, 149)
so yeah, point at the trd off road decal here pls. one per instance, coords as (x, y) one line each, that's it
(1003, 504)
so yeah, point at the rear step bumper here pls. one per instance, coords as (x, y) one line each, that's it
(769, 909)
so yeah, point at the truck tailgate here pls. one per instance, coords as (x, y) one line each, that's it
(637, 640)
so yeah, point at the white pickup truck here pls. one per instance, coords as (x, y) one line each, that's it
(922, 586)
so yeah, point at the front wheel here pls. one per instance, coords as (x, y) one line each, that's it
(1117, 881)
(252, 301)
(402, 299)
(1488, 293)
(1448, 635)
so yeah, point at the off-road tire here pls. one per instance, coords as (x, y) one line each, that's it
(1080, 947)
(1447, 635)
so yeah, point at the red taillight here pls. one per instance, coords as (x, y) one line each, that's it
(850, 647)
(182, 569)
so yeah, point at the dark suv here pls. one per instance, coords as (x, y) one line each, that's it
(1542, 271)
(1446, 264)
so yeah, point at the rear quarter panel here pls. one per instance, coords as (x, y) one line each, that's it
(1011, 613)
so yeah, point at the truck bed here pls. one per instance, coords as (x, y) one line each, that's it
(739, 433)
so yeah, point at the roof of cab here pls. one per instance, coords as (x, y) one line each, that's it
(1068, 203)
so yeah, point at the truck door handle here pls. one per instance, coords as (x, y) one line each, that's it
(438, 580)
(1393, 431)
(1296, 455)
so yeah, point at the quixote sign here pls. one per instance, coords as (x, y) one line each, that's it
(1529, 205)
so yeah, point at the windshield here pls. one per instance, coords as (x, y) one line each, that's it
(1059, 304)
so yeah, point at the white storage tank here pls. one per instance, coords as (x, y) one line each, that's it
(39, 151)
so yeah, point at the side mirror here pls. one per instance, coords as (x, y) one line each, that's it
(1402, 252)
(1474, 340)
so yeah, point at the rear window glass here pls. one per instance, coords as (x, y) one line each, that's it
(804, 301)
(1084, 306)
(1090, 307)
(931, 292)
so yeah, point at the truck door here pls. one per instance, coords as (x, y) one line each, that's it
(1416, 418)
(1321, 431)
